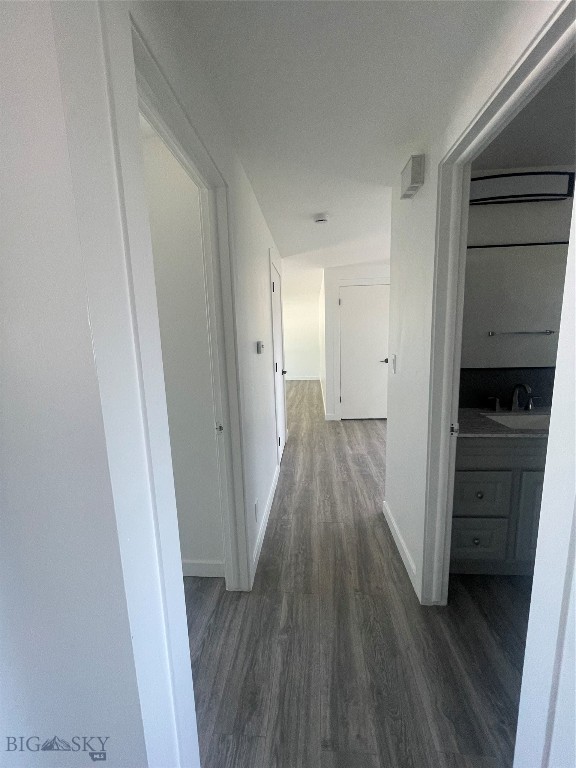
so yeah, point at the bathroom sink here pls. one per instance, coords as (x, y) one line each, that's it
(521, 419)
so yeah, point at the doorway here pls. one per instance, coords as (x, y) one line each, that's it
(509, 495)
(513, 288)
(512, 284)
(364, 351)
(278, 359)
(187, 354)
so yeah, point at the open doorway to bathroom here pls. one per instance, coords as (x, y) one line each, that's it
(518, 229)
(519, 218)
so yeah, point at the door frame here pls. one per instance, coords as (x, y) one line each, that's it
(345, 283)
(548, 53)
(161, 649)
(159, 106)
(276, 264)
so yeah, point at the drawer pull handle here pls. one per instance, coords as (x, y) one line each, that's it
(480, 495)
(476, 542)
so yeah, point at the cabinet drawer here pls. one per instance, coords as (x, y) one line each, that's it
(479, 538)
(482, 494)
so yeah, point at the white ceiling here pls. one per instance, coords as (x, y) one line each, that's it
(326, 100)
(543, 133)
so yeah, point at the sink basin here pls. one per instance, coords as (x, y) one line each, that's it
(521, 419)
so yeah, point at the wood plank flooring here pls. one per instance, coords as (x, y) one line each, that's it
(330, 662)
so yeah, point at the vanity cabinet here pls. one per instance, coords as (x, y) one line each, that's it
(531, 485)
(497, 495)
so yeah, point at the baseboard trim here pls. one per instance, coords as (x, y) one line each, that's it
(302, 378)
(331, 417)
(398, 538)
(264, 523)
(210, 568)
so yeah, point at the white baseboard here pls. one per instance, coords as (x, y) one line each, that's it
(399, 539)
(264, 523)
(212, 568)
(331, 417)
(302, 378)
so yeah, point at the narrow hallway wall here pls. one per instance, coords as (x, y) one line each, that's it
(66, 653)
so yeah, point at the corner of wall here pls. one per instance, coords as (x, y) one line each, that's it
(263, 525)
(402, 546)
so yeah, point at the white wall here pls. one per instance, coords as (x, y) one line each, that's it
(300, 293)
(66, 655)
(514, 288)
(412, 290)
(176, 230)
(250, 240)
(411, 285)
(334, 277)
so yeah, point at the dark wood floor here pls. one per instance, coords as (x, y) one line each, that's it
(330, 662)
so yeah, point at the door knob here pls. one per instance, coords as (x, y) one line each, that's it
(284, 372)
(385, 360)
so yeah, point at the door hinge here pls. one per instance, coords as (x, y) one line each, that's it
(276, 364)
(339, 302)
(278, 441)
(454, 429)
(272, 286)
(340, 399)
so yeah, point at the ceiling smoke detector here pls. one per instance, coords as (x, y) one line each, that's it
(321, 218)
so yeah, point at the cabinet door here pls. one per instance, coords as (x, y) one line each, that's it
(529, 514)
(482, 493)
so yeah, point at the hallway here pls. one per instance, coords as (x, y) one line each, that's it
(330, 661)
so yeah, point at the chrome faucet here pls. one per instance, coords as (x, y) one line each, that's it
(516, 398)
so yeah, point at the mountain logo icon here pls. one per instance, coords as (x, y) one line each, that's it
(55, 745)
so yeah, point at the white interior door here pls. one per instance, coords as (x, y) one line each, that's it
(278, 357)
(364, 351)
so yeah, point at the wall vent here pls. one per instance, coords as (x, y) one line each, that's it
(412, 176)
